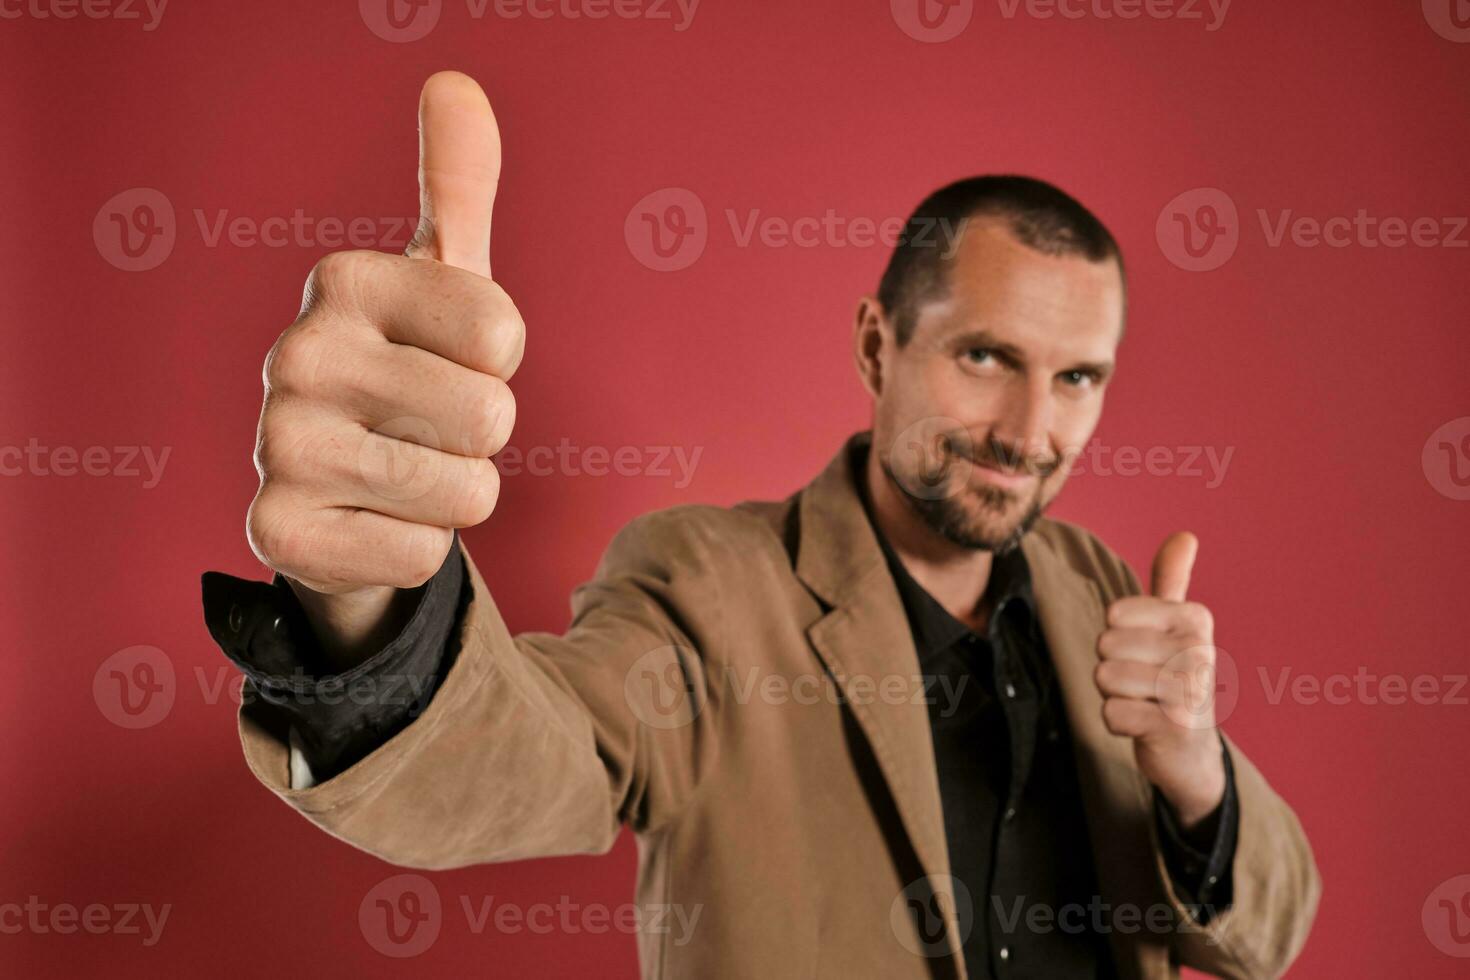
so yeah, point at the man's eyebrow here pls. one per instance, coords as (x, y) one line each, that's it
(1010, 352)
(988, 340)
(1101, 369)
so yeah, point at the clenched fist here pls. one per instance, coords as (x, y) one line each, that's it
(385, 398)
(1157, 678)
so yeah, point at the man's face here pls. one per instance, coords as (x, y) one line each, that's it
(980, 416)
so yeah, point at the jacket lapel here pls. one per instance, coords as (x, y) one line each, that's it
(1115, 795)
(864, 638)
(864, 641)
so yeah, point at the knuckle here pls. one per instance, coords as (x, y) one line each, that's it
(477, 495)
(271, 459)
(493, 343)
(334, 278)
(492, 412)
(1198, 659)
(295, 362)
(481, 409)
(1201, 620)
(424, 551)
(275, 455)
(274, 533)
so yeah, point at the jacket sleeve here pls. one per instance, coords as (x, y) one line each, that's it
(1275, 883)
(539, 745)
(1276, 889)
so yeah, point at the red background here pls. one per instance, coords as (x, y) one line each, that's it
(1326, 548)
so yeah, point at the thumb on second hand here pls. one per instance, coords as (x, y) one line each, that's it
(1173, 565)
(459, 170)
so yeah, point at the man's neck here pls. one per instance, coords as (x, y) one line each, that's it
(954, 575)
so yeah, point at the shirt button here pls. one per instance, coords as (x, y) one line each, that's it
(1005, 952)
(1010, 690)
(237, 618)
(1010, 814)
(1212, 879)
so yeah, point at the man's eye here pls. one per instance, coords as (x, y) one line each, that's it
(979, 355)
(1078, 379)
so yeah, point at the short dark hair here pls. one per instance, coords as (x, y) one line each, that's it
(1040, 215)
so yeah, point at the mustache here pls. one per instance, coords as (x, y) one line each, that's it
(997, 455)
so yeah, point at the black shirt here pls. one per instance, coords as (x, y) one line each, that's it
(1013, 815)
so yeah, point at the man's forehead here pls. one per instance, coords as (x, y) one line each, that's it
(997, 282)
(989, 252)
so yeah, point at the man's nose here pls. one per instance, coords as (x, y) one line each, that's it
(1023, 428)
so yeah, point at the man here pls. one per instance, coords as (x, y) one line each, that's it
(897, 725)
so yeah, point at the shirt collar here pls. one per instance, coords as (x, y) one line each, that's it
(935, 629)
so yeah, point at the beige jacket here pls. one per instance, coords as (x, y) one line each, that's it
(739, 686)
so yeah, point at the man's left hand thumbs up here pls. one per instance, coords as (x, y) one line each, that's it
(1156, 673)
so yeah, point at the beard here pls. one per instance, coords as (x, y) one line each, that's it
(976, 517)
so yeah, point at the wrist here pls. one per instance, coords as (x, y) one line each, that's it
(1195, 799)
(352, 626)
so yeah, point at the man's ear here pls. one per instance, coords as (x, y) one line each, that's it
(872, 342)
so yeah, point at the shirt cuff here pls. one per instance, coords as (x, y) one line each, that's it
(338, 717)
(1203, 878)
